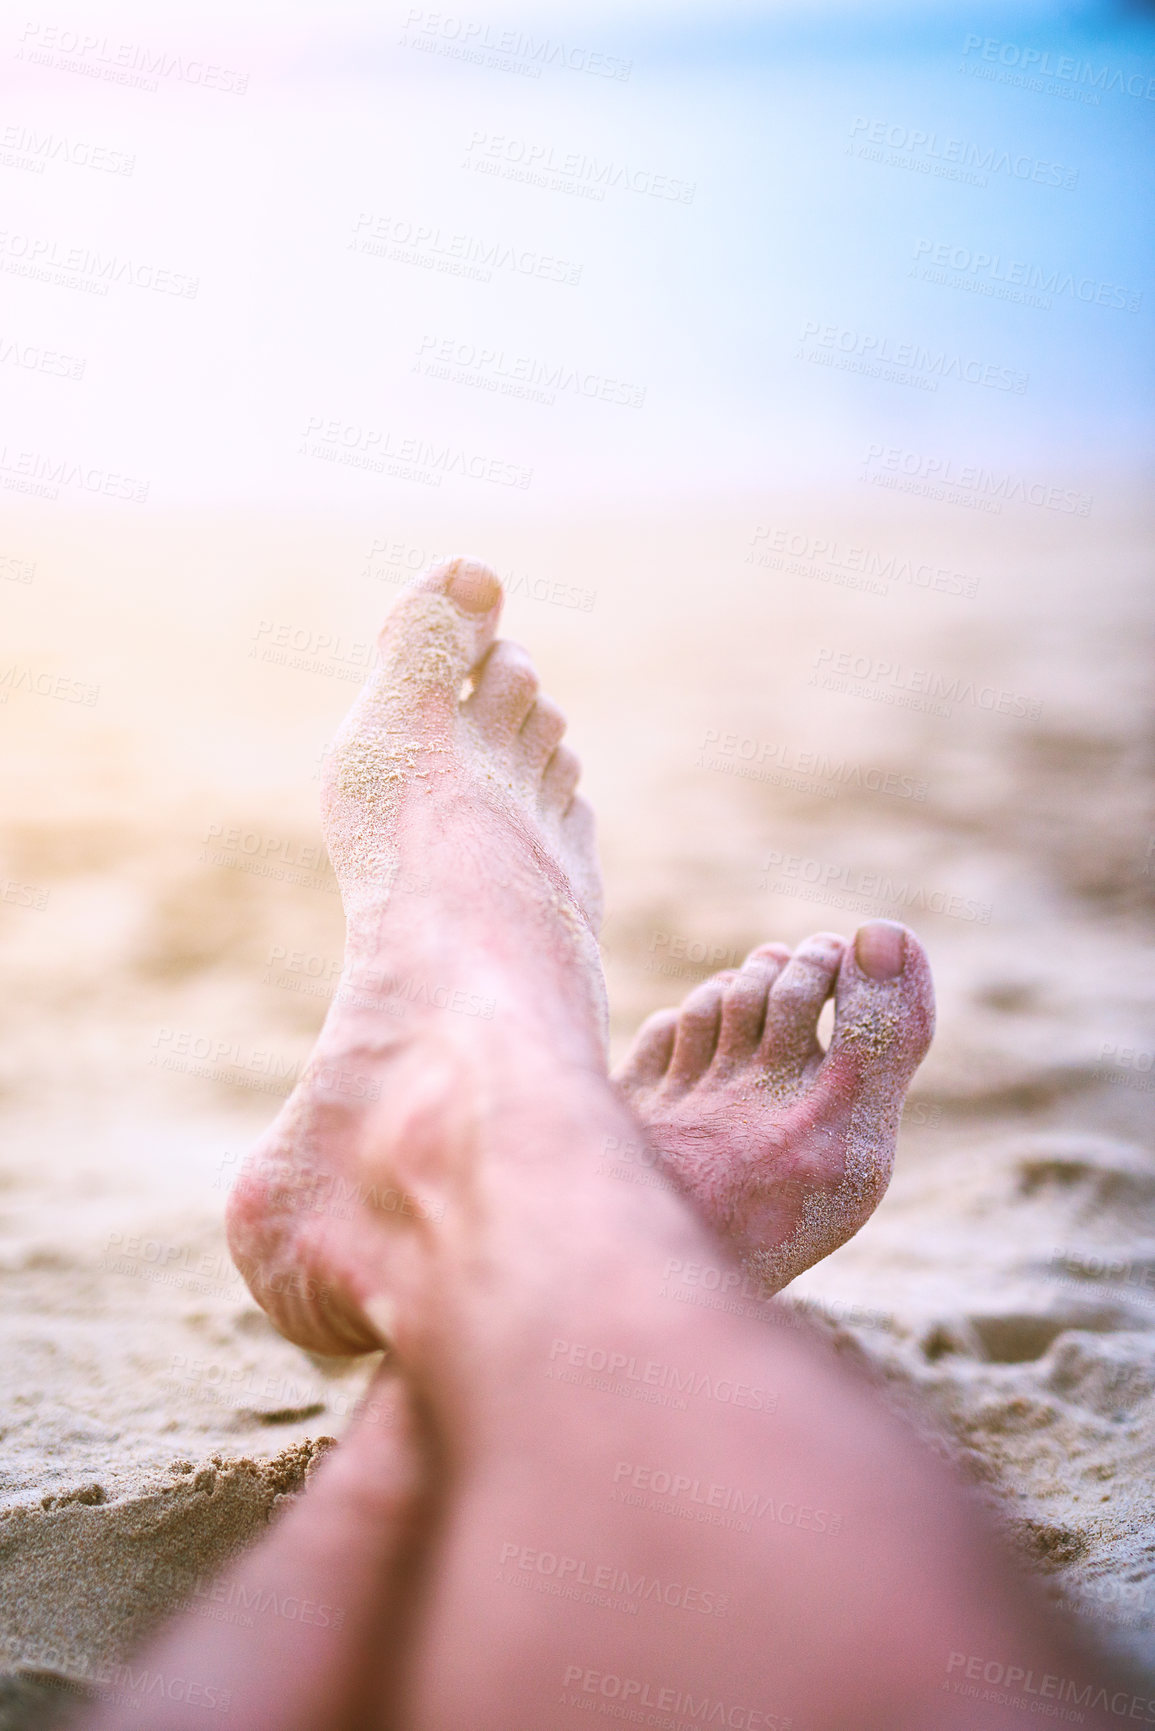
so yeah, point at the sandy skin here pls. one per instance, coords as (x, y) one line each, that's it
(784, 1150)
(515, 1265)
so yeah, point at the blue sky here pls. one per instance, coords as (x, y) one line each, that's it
(779, 318)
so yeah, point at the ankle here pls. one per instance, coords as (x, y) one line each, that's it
(471, 999)
(541, 1239)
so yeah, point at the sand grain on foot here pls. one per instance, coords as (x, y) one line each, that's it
(180, 936)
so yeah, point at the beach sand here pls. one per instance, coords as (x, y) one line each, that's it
(778, 738)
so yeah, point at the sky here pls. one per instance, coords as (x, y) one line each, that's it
(319, 254)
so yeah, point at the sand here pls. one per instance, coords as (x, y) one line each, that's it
(169, 932)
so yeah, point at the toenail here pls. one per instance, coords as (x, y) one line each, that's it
(880, 949)
(473, 586)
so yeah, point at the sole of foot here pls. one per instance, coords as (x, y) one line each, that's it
(784, 1148)
(469, 877)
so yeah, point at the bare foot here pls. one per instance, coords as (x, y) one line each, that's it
(785, 1149)
(466, 863)
(450, 773)
(412, 732)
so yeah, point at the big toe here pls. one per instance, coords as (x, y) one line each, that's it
(471, 585)
(441, 627)
(883, 1016)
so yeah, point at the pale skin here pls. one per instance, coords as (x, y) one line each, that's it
(474, 1527)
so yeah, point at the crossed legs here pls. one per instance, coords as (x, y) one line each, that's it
(494, 1574)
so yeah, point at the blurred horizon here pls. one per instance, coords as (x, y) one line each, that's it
(735, 217)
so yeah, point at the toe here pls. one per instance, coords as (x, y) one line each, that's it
(744, 1006)
(778, 954)
(796, 1000)
(883, 1017)
(541, 734)
(441, 626)
(560, 781)
(697, 1036)
(648, 1058)
(473, 587)
(504, 693)
(744, 1009)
